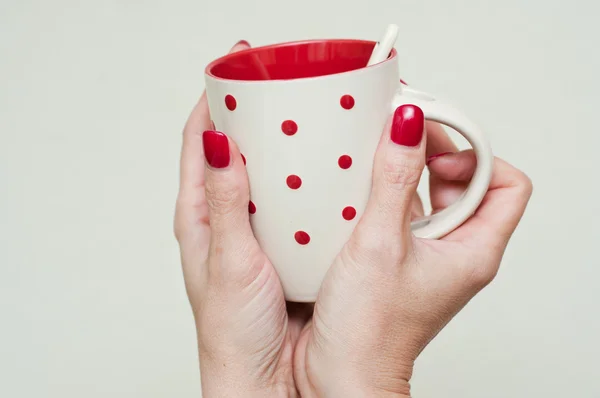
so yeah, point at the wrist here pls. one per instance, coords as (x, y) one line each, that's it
(351, 379)
(226, 392)
(233, 389)
(353, 390)
(229, 379)
(232, 386)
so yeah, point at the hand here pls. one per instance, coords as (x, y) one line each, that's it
(245, 335)
(388, 293)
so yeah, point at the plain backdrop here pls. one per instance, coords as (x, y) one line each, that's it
(93, 98)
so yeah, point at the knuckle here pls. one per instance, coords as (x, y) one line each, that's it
(180, 227)
(179, 230)
(525, 184)
(188, 215)
(241, 266)
(223, 198)
(401, 172)
(368, 246)
(517, 180)
(480, 274)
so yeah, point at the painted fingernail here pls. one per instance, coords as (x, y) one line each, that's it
(244, 42)
(439, 155)
(403, 82)
(407, 125)
(216, 149)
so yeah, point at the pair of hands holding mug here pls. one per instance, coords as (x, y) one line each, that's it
(386, 295)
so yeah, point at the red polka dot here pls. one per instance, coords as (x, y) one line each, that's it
(345, 162)
(230, 102)
(251, 207)
(289, 127)
(302, 237)
(293, 181)
(349, 213)
(243, 158)
(347, 101)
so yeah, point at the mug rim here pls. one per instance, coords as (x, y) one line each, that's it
(226, 57)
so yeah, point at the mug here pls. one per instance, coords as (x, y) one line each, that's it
(307, 117)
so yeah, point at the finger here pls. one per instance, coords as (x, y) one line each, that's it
(192, 164)
(438, 141)
(191, 206)
(397, 168)
(503, 205)
(442, 193)
(227, 194)
(454, 167)
(191, 177)
(444, 187)
(191, 215)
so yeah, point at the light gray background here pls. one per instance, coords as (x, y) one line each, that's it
(93, 96)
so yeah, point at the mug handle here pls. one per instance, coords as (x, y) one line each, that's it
(437, 225)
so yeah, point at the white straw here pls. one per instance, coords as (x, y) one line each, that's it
(384, 46)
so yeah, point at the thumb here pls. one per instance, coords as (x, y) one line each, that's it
(227, 194)
(399, 162)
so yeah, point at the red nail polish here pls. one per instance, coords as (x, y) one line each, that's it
(407, 125)
(403, 82)
(244, 42)
(439, 155)
(216, 149)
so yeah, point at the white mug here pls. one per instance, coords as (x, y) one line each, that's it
(307, 117)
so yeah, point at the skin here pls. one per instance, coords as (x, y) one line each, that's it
(385, 297)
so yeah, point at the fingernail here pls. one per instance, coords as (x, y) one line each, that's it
(244, 42)
(216, 149)
(403, 82)
(439, 155)
(407, 125)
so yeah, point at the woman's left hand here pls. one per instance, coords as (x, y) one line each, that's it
(246, 333)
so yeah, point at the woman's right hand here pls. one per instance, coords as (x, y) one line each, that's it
(388, 293)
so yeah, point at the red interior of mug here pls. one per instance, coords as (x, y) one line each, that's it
(294, 60)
